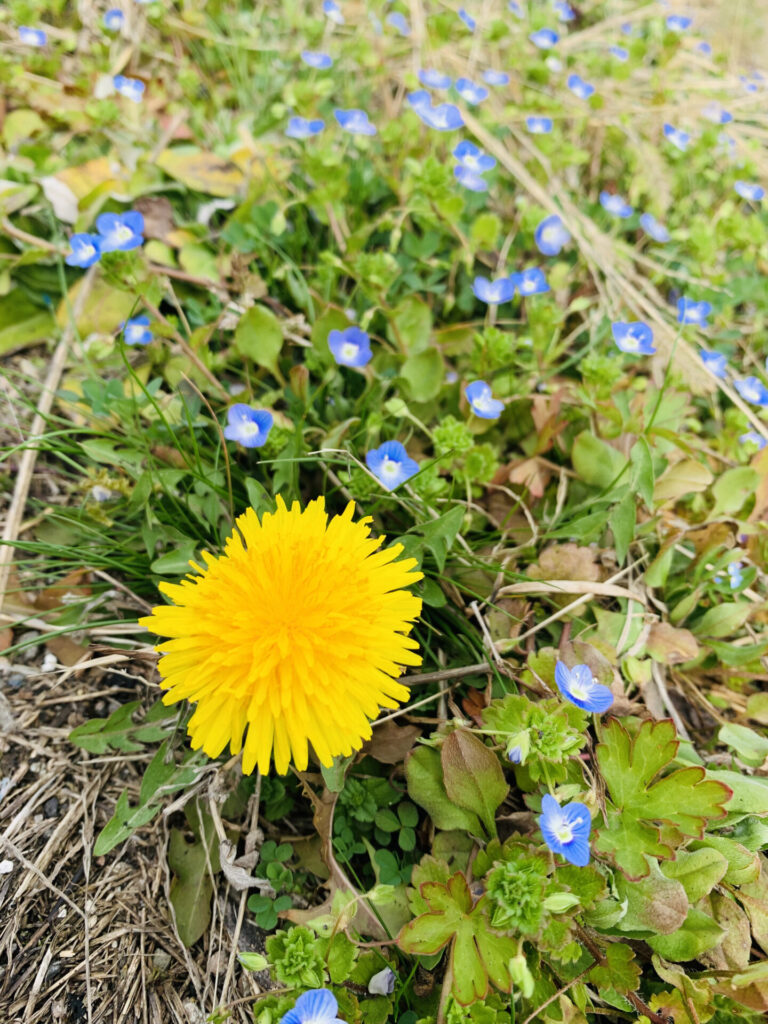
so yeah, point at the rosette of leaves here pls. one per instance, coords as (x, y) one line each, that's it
(552, 731)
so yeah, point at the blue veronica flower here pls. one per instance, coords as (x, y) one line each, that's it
(551, 235)
(318, 1006)
(131, 88)
(419, 98)
(716, 114)
(530, 282)
(634, 337)
(493, 77)
(473, 158)
(470, 179)
(391, 464)
(493, 292)
(444, 117)
(715, 362)
(704, 48)
(32, 36)
(515, 755)
(678, 138)
(86, 250)
(332, 11)
(564, 10)
(434, 79)
(581, 89)
(248, 426)
(383, 983)
(470, 92)
(544, 38)
(354, 121)
(468, 20)
(316, 59)
(690, 312)
(619, 52)
(752, 390)
(735, 574)
(350, 347)
(753, 437)
(114, 19)
(136, 331)
(614, 204)
(514, 8)
(580, 687)
(301, 128)
(399, 22)
(481, 401)
(678, 23)
(749, 86)
(120, 231)
(627, 28)
(566, 830)
(554, 64)
(652, 227)
(538, 125)
(748, 190)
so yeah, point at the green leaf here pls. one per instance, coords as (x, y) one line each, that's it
(653, 904)
(259, 337)
(411, 325)
(191, 889)
(340, 958)
(622, 523)
(749, 793)
(253, 961)
(424, 774)
(639, 800)
(743, 865)
(120, 732)
(439, 534)
(748, 746)
(724, 619)
(642, 479)
(596, 462)
(698, 934)
(423, 374)
(732, 489)
(698, 871)
(473, 777)
(477, 951)
(620, 971)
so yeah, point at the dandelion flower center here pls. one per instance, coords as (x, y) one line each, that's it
(293, 636)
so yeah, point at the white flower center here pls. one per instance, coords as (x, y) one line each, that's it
(87, 250)
(123, 233)
(389, 467)
(580, 691)
(249, 428)
(550, 234)
(483, 402)
(348, 351)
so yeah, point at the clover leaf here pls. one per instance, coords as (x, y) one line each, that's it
(648, 816)
(477, 952)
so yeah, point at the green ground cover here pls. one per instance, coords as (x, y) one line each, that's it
(536, 361)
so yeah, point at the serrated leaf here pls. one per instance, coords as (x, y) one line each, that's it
(473, 777)
(478, 953)
(641, 803)
(620, 971)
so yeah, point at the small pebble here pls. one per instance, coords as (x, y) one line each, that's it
(51, 807)
(6, 867)
(50, 662)
(14, 680)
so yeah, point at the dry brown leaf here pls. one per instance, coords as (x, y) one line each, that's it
(6, 638)
(474, 704)
(158, 216)
(72, 585)
(66, 650)
(671, 645)
(530, 473)
(390, 742)
(566, 562)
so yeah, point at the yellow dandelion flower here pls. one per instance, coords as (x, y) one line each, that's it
(295, 635)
